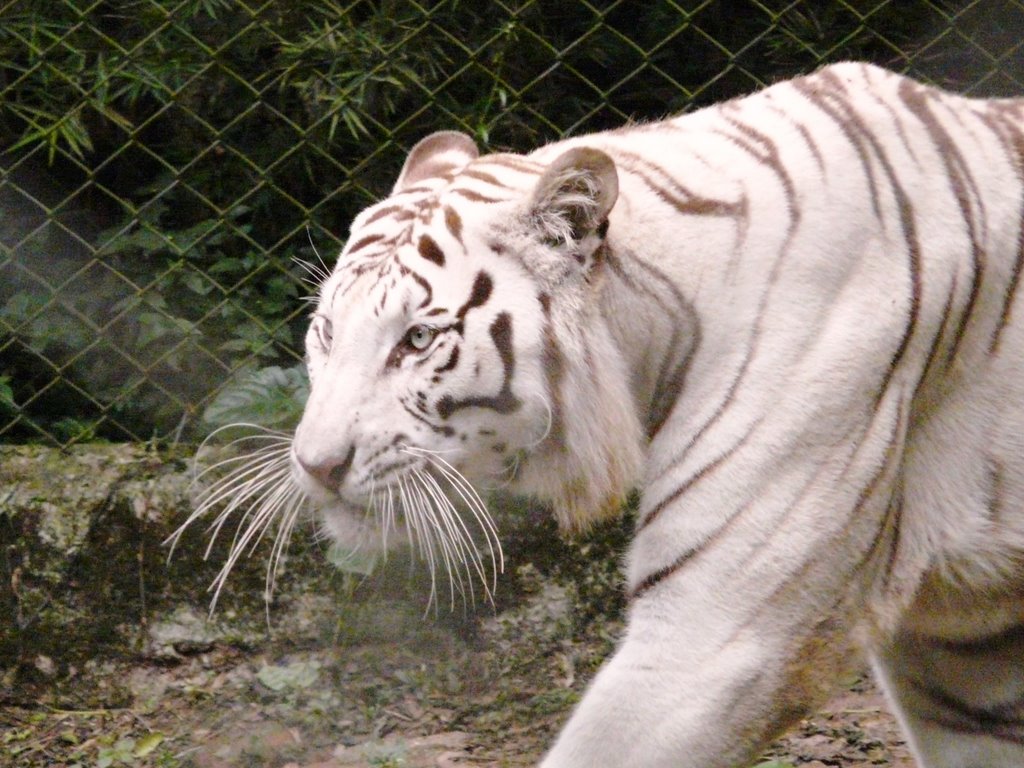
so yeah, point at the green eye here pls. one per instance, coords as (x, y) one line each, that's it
(420, 336)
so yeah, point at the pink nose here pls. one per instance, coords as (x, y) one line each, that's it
(331, 472)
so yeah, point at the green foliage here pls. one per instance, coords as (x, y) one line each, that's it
(6, 395)
(72, 430)
(353, 562)
(271, 397)
(208, 288)
(174, 310)
(387, 756)
(209, 141)
(347, 68)
(129, 751)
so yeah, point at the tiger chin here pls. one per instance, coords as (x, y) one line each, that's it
(793, 321)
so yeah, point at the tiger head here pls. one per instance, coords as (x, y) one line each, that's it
(459, 343)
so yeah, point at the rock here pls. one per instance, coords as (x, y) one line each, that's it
(439, 749)
(45, 666)
(185, 632)
(85, 566)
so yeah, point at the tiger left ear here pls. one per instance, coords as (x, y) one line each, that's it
(437, 154)
(573, 198)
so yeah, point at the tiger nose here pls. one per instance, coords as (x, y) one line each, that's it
(330, 473)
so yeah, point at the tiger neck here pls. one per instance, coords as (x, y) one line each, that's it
(655, 330)
(620, 368)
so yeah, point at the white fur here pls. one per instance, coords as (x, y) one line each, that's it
(761, 251)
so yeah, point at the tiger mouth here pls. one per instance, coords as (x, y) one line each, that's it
(425, 502)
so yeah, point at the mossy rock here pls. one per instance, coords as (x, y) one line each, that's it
(85, 573)
(83, 565)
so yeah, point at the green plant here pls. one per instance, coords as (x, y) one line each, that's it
(6, 395)
(131, 751)
(121, 752)
(271, 397)
(208, 143)
(387, 756)
(354, 562)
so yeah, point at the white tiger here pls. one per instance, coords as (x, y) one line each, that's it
(792, 321)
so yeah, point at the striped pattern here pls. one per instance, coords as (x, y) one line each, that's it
(793, 320)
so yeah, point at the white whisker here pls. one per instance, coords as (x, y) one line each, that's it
(260, 515)
(438, 533)
(250, 494)
(472, 499)
(547, 427)
(278, 440)
(265, 456)
(388, 522)
(286, 525)
(445, 519)
(417, 532)
(322, 268)
(457, 530)
(234, 485)
(252, 466)
(462, 541)
(317, 273)
(256, 482)
(455, 527)
(252, 528)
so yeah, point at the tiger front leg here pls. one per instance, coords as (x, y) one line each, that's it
(682, 693)
(960, 699)
(748, 575)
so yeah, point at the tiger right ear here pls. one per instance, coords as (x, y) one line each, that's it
(437, 154)
(574, 196)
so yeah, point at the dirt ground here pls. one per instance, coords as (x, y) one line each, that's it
(108, 657)
(399, 696)
(363, 678)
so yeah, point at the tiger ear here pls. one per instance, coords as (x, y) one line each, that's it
(435, 155)
(573, 198)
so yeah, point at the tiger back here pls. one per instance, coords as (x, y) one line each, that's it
(792, 320)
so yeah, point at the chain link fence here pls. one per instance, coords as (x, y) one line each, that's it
(172, 170)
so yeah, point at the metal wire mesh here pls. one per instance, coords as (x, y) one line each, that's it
(167, 164)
